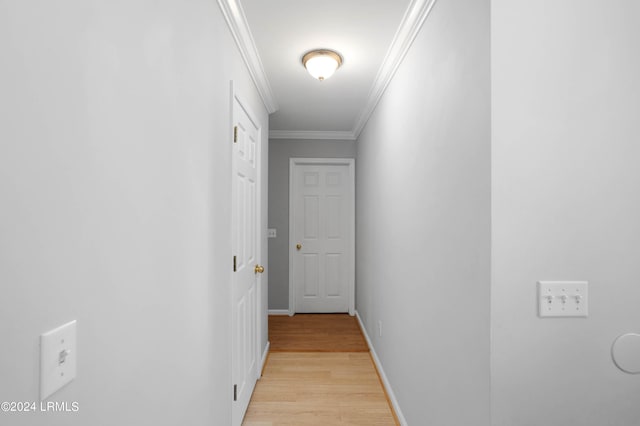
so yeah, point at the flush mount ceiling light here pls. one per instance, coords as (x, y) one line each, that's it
(322, 63)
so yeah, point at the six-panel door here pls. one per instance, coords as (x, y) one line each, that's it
(321, 215)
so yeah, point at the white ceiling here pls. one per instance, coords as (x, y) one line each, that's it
(373, 36)
(283, 30)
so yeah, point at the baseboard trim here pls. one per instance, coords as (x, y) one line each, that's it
(263, 362)
(383, 376)
(278, 312)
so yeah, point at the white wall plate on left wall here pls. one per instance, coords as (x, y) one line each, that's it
(57, 358)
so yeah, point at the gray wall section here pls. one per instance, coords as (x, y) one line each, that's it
(423, 221)
(566, 206)
(280, 151)
(115, 206)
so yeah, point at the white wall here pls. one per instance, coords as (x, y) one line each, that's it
(566, 205)
(423, 221)
(280, 151)
(114, 205)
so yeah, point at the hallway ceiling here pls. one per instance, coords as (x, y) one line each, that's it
(362, 31)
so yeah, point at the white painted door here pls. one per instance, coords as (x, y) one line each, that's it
(322, 227)
(245, 245)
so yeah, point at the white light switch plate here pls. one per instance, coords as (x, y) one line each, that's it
(57, 359)
(563, 298)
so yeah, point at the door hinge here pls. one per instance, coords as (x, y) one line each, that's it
(235, 134)
(235, 263)
(235, 392)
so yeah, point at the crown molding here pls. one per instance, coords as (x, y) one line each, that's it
(237, 22)
(412, 21)
(407, 32)
(311, 134)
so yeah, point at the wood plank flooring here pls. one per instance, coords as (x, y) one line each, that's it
(328, 387)
(316, 333)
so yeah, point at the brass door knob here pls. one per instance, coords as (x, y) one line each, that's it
(259, 269)
(298, 246)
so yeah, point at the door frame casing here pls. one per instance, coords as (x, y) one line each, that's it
(351, 252)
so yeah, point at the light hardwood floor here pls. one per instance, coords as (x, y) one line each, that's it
(319, 388)
(316, 333)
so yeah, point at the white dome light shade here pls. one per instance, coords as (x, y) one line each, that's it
(321, 64)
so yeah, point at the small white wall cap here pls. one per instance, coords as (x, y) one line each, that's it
(625, 352)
